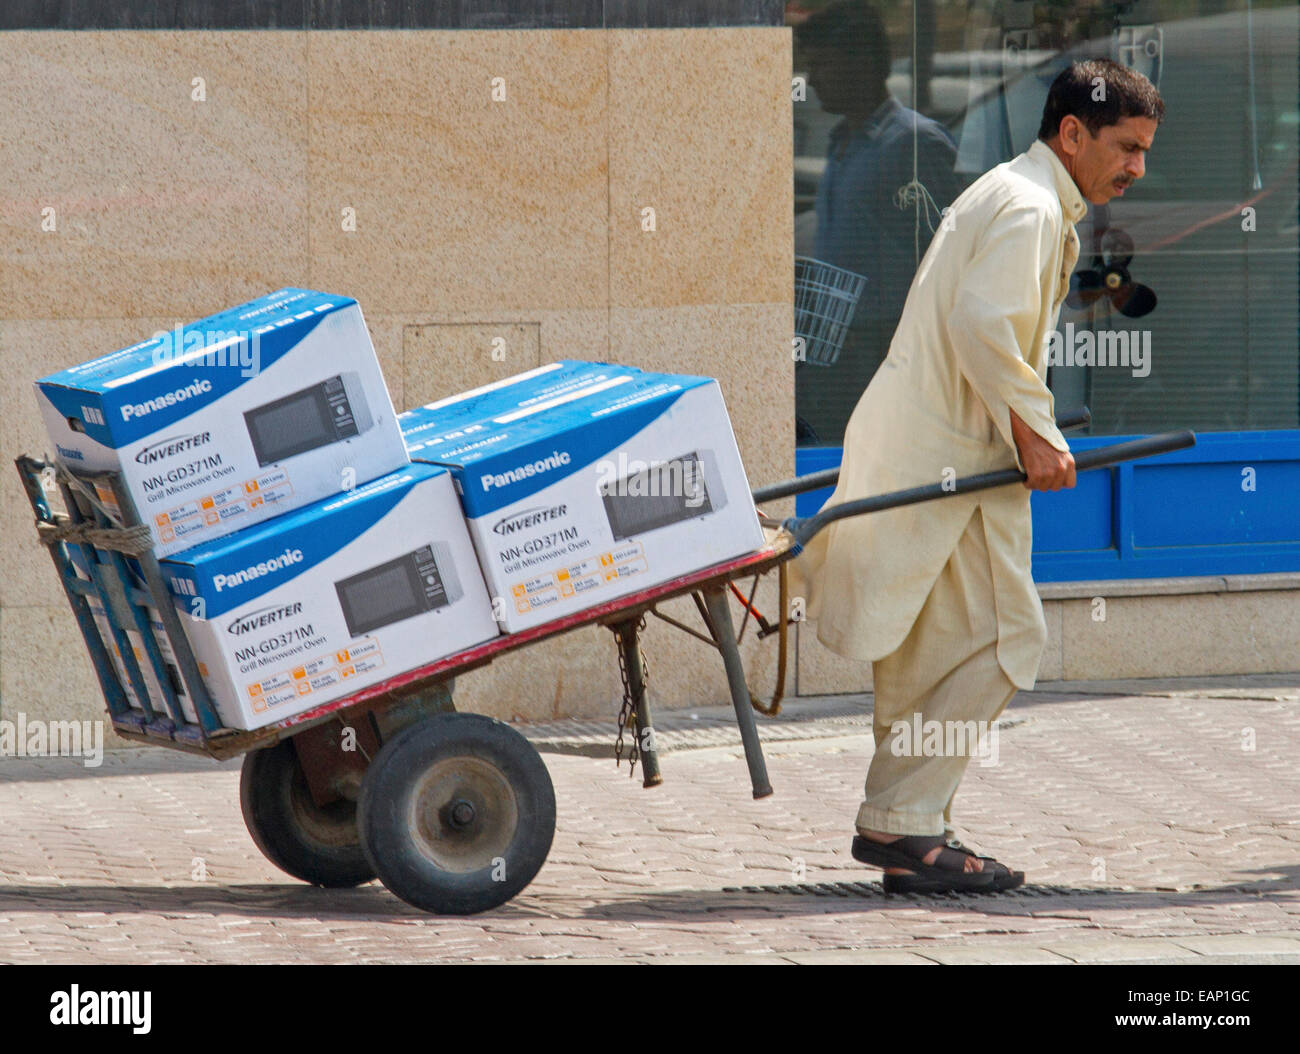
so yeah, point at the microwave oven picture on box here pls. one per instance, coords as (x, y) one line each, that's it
(414, 583)
(625, 480)
(326, 600)
(229, 421)
(330, 411)
(663, 494)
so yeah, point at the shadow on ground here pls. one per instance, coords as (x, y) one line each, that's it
(373, 902)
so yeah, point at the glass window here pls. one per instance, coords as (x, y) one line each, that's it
(1210, 232)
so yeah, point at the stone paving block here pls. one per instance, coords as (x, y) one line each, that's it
(1243, 944)
(1121, 949)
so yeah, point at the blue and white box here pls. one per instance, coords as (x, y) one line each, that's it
(320, 603)
(226, 422)
(584, 482)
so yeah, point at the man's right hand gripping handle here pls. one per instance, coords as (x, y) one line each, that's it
(1046, 468)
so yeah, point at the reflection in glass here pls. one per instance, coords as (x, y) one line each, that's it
(1210, 232)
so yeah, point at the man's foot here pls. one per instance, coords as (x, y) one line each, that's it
(972, 863)
(921, 863)
(1003, 876)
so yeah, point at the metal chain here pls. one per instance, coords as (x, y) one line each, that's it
(627, 712)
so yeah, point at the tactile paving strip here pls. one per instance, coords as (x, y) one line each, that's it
(677, 732)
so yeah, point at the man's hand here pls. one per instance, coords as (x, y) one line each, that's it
(1046, 467)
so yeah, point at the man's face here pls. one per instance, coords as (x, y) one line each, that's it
(842, 84)
(1105, 164)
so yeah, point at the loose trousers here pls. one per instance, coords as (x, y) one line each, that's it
(946, 670)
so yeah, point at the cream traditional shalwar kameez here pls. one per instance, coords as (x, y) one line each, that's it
(939, 595)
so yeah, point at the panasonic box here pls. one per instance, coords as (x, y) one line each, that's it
(231, 420)
(309, 607)
(583, 482)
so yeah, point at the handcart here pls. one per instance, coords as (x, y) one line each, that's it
(453, 812)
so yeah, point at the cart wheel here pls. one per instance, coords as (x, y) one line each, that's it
(317, 844)
(457, 814)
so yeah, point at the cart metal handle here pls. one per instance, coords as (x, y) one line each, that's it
(804, 529)
(830, 476)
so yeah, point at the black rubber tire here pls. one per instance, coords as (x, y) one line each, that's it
(425, 845)
(318, 845)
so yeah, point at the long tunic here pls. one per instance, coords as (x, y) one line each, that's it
(971, 346)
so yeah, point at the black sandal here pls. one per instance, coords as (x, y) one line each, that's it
(947, 874)
(1003, 877)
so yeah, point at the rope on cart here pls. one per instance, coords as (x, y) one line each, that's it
(132, 541)
(773, 707)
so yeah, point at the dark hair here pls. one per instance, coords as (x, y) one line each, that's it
(852, 27)
(1127, 94)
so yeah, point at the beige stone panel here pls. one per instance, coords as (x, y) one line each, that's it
(436, 354)
(701, 132)
(388, 336)
(460, 200)
(822, 672)
(575, 675)
(746, 347)
(1168, 636)
(163, 205)
(44, 669)
(575, 334)
(442, 359)
(30, 350)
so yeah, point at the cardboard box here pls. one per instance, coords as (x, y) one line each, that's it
(226, 422)
(583, 482)
(329, 599)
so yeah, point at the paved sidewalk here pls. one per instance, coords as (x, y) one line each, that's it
(1148, 834)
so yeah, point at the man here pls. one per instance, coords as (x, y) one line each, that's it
(878, 148)
(939, 596)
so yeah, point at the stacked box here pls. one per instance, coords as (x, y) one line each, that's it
(329, 599)
(584, 482)
(231, 420)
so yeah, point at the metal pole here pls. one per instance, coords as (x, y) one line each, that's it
(715, 600)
